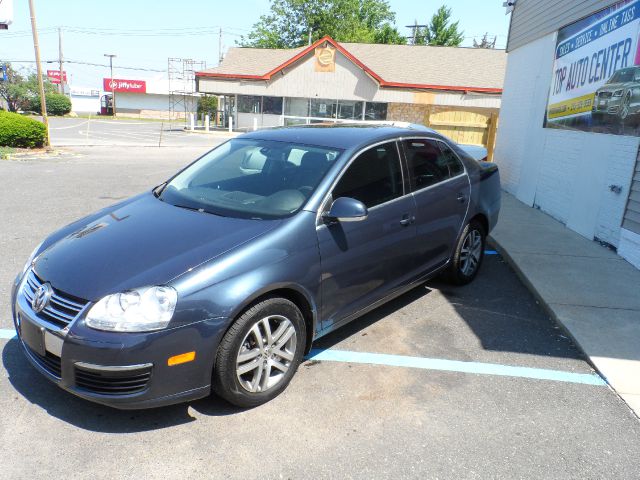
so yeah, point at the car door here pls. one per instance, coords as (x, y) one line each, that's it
(363, 261)
(441, 190)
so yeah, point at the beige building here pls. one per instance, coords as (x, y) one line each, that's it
(454, 90)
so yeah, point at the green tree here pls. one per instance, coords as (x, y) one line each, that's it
(20, 90)
(485, 42)
(293, 23)
(208, 104)
(439, 31)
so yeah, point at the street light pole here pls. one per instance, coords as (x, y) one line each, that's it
(36, 46)
(113, 88)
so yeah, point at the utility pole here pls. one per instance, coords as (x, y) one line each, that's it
(61, 60)
(36, 47)
(113, 87)
(220, 56)
(416, 28)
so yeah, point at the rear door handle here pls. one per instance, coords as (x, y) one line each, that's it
(407, 220)
(462, 198)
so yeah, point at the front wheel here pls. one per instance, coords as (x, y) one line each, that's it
(468, 254)
(260, 353)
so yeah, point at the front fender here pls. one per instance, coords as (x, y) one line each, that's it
(286, 258)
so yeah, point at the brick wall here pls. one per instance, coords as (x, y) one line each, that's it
(407, 112)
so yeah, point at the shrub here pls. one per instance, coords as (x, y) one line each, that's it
(57, 104)
(19, 131)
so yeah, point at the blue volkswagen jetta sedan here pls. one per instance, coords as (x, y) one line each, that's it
(221, 278)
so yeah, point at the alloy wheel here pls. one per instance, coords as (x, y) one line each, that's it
(624, 110)
(266, 353)
(471, 252)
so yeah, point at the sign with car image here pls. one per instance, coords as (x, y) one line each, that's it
(595, 85)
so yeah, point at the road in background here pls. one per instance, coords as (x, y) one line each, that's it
(102, 131)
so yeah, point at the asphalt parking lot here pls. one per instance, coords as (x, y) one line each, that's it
(105, 131)
(456, 408)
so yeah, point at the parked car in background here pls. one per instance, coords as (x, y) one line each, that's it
(223, 276)
(619, 98)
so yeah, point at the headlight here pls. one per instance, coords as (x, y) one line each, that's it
(140, 310)
(617, 93)
(32, 257)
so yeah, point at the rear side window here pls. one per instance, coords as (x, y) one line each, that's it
(451, 160)
(430, 162)
(374, 177)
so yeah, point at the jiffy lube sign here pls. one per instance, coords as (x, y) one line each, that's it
(120, 85)
(591, 55)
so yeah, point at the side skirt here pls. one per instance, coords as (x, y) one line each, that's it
(387, 298)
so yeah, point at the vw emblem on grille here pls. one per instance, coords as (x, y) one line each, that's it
(41, 297)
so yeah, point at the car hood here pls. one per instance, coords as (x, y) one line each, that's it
(612, 87)
(144, 242)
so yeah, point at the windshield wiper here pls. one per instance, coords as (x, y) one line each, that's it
(197, 209)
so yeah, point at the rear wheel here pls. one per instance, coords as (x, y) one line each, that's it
(468, 255)
(260, 353)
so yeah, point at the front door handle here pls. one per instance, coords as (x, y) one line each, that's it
(407, 220)
(462, 197)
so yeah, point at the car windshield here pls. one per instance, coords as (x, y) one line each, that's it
(622, 76)
(251, 178)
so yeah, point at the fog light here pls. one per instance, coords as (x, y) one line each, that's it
(182, 358)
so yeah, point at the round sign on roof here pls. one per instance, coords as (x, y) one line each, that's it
(325, 59)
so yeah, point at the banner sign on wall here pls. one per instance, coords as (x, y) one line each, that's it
(119, 85)
(595, 84)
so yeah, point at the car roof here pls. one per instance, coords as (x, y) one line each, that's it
(340, 135)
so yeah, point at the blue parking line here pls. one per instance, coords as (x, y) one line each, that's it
(455, 366)
(7, 333)
(434, 364)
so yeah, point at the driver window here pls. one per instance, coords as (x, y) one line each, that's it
(374, 177)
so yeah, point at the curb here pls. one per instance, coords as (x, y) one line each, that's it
(552, 314)
(541, 301)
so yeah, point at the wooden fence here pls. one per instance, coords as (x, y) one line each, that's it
(465, 125)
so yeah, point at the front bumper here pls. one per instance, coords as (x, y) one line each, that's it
(607, 106)
(121, 370)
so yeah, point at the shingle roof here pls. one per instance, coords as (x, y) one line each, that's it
(254, 61)
(416, 64)
(391, 65)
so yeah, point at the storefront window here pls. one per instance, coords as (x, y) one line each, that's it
(350, 110)
(296, 107)
(272, 105)
(323, 108)
(249, 103)
(375, 111)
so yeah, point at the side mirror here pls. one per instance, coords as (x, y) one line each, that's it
(345, 209)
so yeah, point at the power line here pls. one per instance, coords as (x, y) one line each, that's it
(76, 62)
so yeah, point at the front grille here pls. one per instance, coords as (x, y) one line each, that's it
(113, 382)
(62, 308)
(50, 362)
(605, 95)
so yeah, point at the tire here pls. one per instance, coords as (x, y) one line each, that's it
(271, 337)
(463, 269)
(623, 113)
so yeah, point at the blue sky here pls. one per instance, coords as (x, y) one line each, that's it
(144, 33)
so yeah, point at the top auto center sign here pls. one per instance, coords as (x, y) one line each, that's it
(119, 85)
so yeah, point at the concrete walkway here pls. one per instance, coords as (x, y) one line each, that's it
(588, 289)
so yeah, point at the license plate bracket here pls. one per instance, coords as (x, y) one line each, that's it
(33, 336)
